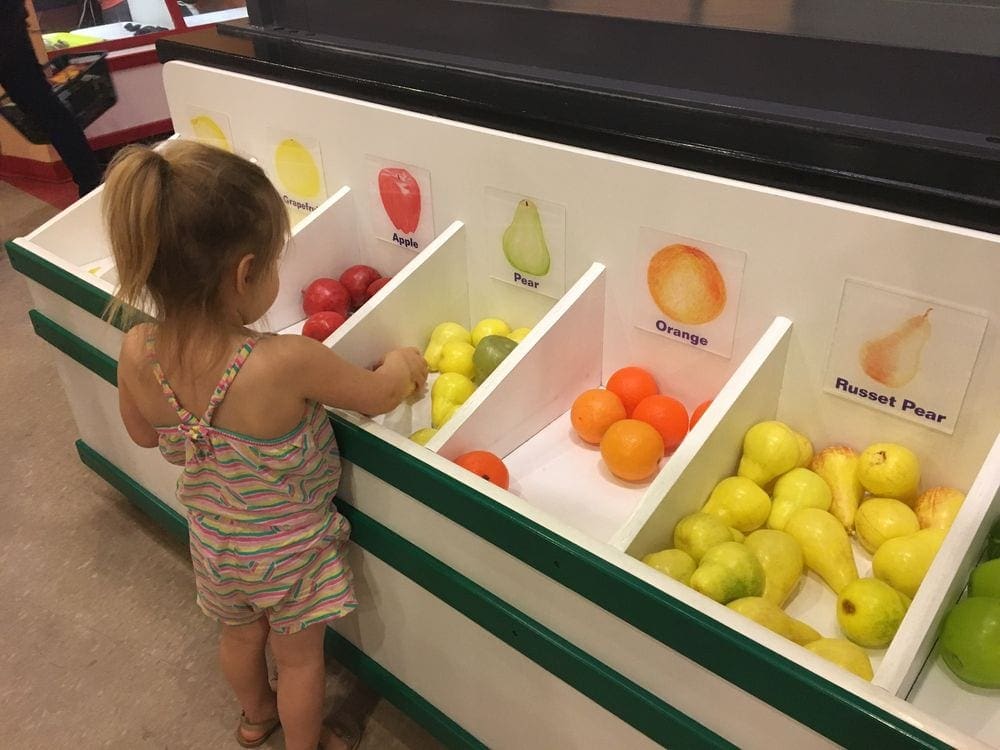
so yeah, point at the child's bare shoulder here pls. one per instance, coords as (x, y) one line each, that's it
(133, 349)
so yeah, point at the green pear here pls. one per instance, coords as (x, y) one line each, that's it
(728, 571)
(869, 612)
(844, 654)
(781, 557)
(524, 241)
(882, 518)
(699, 532)
(770, 615)
(985, 579)
(799, 488)
(969, 641)
(903, 562)
(676, 563)
(740, 503)
(825, 546)
(489, 353)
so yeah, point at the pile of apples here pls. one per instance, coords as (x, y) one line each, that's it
(787, 510)
(328, 302)
(465, 359)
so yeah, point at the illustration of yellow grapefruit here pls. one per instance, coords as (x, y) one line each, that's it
(686, 285)
(297, 169)
(207, 130)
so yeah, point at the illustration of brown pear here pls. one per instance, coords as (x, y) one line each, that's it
(894, 359)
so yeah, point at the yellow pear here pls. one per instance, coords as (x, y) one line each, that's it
(844, 654)
(441, 335)
(882, 518)
(805, 450)
(825, 546)
(870, 611)
(489, 327)
(903, 562)
(676, 563)
(889, 470)
(781, 557)
(799, 488)
(739, 503)
(738, 535)
(699, 532)
(769, 450)
(838, 465)
(937, 507)
(770, 615)
(728, 571)
(423, 435)
(894, 359)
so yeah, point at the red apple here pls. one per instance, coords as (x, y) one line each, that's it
(375, 286)
(326, 294)
(320, 325)
(400, 194)
(356, 280)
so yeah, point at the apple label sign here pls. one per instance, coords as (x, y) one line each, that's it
(687, 291)
(527, 242)
(400, 199)
(904, 354)
(295, 166)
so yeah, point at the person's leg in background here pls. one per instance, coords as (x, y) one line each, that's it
(22, 78)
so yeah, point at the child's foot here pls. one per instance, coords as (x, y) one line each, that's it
(253, 731)
(343, 735)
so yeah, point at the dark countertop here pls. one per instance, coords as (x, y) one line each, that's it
(913, 131)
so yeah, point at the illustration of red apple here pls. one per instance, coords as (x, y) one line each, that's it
(320, 325)
(400, 195)
(325, 294)
(375, 286)
(356, 280)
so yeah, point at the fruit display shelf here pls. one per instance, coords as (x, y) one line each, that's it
(541, 587)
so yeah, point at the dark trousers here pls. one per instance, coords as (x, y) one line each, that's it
(22, 78)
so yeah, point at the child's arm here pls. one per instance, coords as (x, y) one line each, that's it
(328, 378)
(140, 430)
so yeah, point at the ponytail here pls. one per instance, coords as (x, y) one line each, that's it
(133, 208)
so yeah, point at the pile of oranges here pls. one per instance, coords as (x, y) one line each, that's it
(633, 422)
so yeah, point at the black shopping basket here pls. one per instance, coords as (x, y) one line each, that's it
(82, 83)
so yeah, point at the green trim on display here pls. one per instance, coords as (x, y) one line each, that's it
(367, 669)
(836, 713)
(69, 343)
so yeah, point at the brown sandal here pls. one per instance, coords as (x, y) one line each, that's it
(266, 729)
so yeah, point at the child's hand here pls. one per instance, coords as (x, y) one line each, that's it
(411, 365)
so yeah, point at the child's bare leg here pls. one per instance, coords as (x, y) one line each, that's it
(241, 655)
(301, 684)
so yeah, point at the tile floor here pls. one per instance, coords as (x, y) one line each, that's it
(102, 644)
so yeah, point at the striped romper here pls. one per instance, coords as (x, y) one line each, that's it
(265, 537)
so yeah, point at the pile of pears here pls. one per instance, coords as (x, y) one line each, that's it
(788, 510)
(465, 359)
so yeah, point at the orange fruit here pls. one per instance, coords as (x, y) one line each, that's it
(487, 465)
(698, 411)
(632, 449)
(593, 412)
(667, 415)
(632, 384)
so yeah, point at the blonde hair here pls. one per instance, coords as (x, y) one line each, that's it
(179, 218)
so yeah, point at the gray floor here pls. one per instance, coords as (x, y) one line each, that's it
(102, 644)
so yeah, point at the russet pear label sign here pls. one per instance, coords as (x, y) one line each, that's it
(907, 355)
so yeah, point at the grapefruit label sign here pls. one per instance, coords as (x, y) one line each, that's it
(400, 200)
(296, 168)
(688, 291)
(904, 354)
(527, 239)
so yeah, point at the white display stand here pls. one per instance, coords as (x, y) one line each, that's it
(799, 252)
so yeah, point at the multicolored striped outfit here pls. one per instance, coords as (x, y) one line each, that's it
(265, 538)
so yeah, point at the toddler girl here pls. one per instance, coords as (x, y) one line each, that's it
(196, 234)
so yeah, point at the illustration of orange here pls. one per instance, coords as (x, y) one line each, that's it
(632, 450)
(593, 412)
(632, 384)
(686, 285)
(667, 416)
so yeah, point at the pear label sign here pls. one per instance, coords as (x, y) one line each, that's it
(907, 355)
(527, 242)
(400, 201)
(687, 291)
(296, 169)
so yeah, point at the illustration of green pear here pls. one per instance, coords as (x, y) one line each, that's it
(894, 359)
(524, 241)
